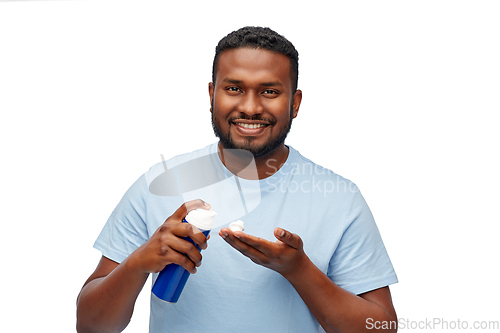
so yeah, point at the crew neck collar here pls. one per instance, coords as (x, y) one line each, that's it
(285, 169)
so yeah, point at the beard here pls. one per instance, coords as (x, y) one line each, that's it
(256, 150)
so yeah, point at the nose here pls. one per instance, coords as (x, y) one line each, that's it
(250, 104)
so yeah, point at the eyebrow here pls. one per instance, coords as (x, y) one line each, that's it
(264, 84)
(271, 84)
(232, 81)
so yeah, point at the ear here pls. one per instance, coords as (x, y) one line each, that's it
(297, 98)
(211, 93)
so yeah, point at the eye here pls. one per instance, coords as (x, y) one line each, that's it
(270, 93)
(233, 89)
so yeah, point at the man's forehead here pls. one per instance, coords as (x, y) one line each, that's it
(245, 55)
(252, 60)
(262, 83)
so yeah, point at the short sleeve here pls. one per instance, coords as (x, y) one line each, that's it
(360, 262)
(126, 228)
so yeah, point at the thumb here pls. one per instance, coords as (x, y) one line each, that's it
(290, 239)
(186, 207)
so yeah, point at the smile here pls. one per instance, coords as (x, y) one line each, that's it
(250, 126)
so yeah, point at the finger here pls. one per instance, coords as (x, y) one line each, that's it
(186, 207)
(184, 247)
(188, 230)
(290, 239)
(180, 259)
(258, 243)
(198, 237)
(239, 241)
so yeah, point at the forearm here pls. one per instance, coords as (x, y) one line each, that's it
(106, 304)
(336, 309)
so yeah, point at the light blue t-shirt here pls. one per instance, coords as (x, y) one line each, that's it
(230, 293)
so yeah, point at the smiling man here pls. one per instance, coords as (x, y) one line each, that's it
(317, 261)
(256, 100)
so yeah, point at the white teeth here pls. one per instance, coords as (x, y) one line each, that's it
(250, 125)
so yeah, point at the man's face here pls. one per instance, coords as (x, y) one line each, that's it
(252, 101)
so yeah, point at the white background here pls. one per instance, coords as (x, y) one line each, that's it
(401, 97)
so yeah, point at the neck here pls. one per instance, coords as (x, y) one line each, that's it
(240, 162)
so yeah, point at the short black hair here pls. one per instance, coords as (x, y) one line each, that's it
(259, 37)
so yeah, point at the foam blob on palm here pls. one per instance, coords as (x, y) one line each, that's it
(237, 226)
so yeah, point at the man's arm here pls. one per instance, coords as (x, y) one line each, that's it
(336, 309)
(106, 301)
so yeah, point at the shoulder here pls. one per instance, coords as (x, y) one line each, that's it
(304, 167)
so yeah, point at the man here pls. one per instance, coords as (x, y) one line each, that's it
(328, 268)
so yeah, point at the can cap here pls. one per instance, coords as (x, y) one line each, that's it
(201, 218)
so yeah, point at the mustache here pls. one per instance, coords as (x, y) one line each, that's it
(254, 117)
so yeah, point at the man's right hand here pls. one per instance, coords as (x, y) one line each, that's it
(166, 246)
(107, 299)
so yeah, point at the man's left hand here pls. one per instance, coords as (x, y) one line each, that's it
(285, 256)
